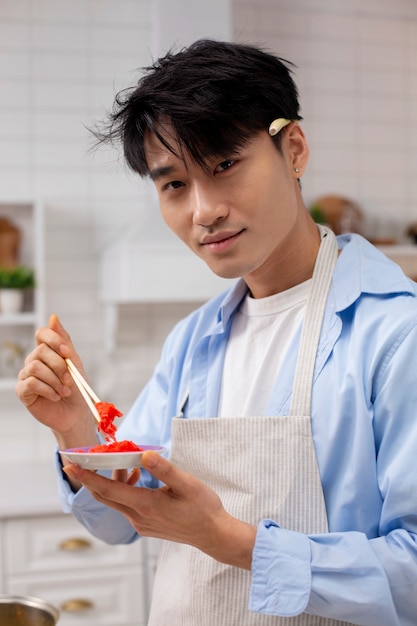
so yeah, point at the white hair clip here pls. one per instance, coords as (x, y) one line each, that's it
(278, 125)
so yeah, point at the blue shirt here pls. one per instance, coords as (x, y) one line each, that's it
(364, 424)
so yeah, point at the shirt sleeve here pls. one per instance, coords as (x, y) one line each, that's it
(145, 423)
(102, 522)
(272, 593)
(360, 576)
(334, 575)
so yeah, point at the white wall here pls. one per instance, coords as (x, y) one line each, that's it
(61, 61)
(357, 74)
(180, 22)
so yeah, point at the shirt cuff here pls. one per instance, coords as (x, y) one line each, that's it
(70, 499)
(281, 571)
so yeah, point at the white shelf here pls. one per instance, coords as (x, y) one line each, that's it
(19, 328)
(156, 273)
(7, 384)
(153, 272)
(19, 319)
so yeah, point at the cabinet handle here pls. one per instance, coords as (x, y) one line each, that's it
(75, 544)
(77, 605)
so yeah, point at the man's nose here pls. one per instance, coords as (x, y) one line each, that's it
(208, 207)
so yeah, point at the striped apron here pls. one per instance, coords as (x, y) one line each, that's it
(261, 467)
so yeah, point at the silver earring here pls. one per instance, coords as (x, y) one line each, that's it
(296, 169)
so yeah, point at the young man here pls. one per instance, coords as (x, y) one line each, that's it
(288, 403)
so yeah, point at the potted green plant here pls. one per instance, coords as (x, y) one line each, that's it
(13, 283)
(318, 214)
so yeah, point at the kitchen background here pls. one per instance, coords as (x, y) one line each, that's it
(62, 61)
(105, 262)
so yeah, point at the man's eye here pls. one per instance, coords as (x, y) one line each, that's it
(224, 165)
(174, 184)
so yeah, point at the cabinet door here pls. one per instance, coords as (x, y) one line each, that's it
(110, 596)
(58, 543)
(92, 583)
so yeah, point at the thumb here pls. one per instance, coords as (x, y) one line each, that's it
(162, 469)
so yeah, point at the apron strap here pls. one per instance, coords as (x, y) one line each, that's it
(313, 319)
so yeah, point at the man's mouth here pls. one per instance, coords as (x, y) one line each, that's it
(220, 241)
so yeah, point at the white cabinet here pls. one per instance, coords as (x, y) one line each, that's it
(152, 272)
(17, 329)
(93, 584)
(156, 273)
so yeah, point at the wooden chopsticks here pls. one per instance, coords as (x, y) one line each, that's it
(88, 394)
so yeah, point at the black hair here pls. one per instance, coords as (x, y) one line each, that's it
(211, 98)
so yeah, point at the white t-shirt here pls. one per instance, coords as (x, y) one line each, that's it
(260, 336)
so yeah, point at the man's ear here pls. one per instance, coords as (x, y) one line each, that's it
(298, 151)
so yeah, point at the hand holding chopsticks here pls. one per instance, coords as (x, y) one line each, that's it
(88, 394)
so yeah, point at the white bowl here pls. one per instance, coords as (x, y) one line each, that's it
(107, 460)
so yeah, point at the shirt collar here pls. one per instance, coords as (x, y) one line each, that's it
(231, 302)
(361, 268)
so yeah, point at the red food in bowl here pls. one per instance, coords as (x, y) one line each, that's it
(117, 446)
(108, 412)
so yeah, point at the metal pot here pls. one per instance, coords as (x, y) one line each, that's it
(27, 611)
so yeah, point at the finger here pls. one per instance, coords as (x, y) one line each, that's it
(45, 356)
(120, 475)
(66, 348)
(166, 472)
(117, 495)
(54, 323)
(134, 503)
(101, 487)
(30, 389)
(87, 477)
(55, 341)
(47, 366)
(133, 476)
(56, 337)
(92, 481)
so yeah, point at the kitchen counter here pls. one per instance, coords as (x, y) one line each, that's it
(28, 489)
(405, 256)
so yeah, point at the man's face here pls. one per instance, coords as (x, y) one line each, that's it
(240, 215)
